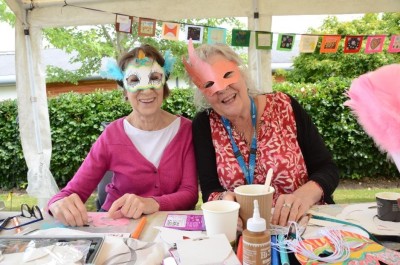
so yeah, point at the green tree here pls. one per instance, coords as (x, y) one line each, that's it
(88, 45)
(6, 15)
(316, 66)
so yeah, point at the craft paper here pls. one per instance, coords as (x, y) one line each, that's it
(375, 43)
(240, 37)
(195, 33)
(330, 44)
(394, 45)
(216, 35)
(170, 31)
(123, 23)
(285, 42)
(147, 27)
(308, 43)
(264, 40)
(101, 219)
(353, 44)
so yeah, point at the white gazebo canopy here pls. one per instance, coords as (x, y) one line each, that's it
(34, 15)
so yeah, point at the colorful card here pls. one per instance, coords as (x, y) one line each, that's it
(192, 222)
(308, 43)
(147, 27)
(330, 44)
(285, 42)
(241, 37)
(375, 43)
(264, 40)
(394, 45)
(353, 44)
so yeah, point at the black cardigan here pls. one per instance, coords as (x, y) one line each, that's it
(320, 166)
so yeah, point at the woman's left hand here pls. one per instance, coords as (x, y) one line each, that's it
(292, 207)
(288, 207)
(132, 206)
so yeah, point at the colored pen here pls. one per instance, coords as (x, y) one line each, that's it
(274, 252)
(139, 228)
(283, 251)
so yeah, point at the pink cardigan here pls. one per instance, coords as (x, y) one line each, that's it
(173, 184)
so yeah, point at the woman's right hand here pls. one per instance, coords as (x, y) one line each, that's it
(71, 211)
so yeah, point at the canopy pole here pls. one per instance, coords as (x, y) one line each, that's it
(256, 15)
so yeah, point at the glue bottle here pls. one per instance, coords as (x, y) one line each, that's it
(256, 240)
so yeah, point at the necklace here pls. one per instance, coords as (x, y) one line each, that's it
(248, 171)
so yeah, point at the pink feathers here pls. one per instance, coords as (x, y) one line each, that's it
(375, 100)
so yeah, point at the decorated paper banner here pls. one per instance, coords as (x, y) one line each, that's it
(170, 31)
(353, 44)
(240, 37)
(195, 33)
(216, 35)
(123, 23)
(285, 42)
(147, 27)
(330, 44)
(394, 45)
(308, 43)
(264, 40)
(375, 43)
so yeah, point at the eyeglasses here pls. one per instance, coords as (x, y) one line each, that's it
(27, 212)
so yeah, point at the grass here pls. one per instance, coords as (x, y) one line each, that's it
(340, 196)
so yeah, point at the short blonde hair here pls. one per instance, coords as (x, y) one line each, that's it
(207, 50)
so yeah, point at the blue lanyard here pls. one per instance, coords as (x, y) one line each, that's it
(247, 171)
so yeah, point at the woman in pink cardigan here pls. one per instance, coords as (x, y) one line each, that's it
(150, 151)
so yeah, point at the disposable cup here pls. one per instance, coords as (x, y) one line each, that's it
(221, 217)
(388, 206)
(245, 196)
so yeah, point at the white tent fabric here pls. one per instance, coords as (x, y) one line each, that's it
(38, 14)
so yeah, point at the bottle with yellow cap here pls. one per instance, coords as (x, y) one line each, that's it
(256, 240)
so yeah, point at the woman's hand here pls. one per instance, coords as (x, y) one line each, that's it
(292, 207)
(132, 206)
(71, 211)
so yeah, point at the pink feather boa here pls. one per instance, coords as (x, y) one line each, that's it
(375, 101)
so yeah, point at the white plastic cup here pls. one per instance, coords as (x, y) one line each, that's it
(221, 217)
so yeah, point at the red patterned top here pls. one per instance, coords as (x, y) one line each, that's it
(277, 147)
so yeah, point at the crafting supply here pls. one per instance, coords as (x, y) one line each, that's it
(256, 240)
(282, 250)
(274, 251)
(139, 228)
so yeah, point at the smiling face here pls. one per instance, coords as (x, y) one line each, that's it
(225, 89)
(143, 82)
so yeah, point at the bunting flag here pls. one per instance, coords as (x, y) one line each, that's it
(330, 44)
(308, 43)
(375, 43)
(195, 33)
(123, 23)
(170, 31)
(353, 44)
(285, 42)
(240, 37)
(394, 45)
(264, 40)
(216, 35)
(147, 27)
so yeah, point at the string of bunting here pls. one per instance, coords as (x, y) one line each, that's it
(264, 39)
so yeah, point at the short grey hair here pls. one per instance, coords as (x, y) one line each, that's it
(207, 50)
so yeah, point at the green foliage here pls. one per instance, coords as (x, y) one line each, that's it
(6, 14)
(12, 163)
(353, 150)
(315, 66)
(76, 122)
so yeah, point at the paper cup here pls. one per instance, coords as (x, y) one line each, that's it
(221, 218)
(388, 206)
(245, 196)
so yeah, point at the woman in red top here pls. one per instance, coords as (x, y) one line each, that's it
(239, 135)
